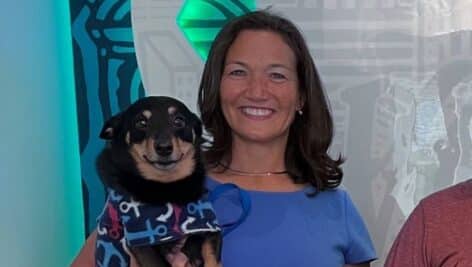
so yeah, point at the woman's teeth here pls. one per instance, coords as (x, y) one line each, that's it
(257, 111)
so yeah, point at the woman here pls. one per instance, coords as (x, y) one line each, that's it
(262, 101)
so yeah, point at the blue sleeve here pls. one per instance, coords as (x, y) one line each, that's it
(360, 248)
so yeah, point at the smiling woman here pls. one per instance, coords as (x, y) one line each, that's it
(262, 101)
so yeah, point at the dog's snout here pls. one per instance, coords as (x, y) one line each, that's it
(163, 148)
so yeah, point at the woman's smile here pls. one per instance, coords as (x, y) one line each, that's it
(258, 113)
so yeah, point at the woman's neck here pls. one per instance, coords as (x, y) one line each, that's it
(249, 165)
(256, 157)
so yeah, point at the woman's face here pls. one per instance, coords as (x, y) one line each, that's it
(259, 87)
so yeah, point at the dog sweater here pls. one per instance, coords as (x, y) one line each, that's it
(125, 222)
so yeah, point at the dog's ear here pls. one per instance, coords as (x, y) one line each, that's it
(111, 127)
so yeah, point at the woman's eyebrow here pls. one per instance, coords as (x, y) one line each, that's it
(278, 65)
(236, 62)
(273, 65)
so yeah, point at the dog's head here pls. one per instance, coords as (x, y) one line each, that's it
(160, 134)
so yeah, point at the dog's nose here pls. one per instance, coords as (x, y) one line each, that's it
(163, 148)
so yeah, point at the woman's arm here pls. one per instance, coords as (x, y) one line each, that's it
(86, 256)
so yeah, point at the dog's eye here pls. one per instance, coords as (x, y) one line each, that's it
(179, 122)
(141, 124)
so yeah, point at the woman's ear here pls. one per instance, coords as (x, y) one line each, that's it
(301, 104)
(111, 127)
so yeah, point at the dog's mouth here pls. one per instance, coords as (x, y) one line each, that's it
(163, 164)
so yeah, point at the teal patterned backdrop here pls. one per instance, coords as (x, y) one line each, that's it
(107, 74)
(107, 80)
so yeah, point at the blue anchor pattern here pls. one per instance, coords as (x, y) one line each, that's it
(126, 222)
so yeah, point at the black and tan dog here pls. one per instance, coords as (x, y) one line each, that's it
(156, 208)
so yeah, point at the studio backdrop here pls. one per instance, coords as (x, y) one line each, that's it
(398, 74)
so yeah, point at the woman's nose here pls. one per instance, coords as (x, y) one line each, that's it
(257, 87)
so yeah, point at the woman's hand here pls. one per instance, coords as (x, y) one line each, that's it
(209, 258)
(86, 256)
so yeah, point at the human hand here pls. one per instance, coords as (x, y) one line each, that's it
(179, 259)
(209, 256)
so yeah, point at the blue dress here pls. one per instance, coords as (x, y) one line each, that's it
(287, 229)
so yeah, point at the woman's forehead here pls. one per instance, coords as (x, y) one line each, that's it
(260, 46)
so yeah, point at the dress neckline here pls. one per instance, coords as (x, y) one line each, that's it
(303, 190)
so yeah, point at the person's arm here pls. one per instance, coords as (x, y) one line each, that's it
(409, 246)
(86, 256)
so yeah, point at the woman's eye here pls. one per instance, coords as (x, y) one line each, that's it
(179, 122)
(141, 124)
(237, 73)
(277, 77)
